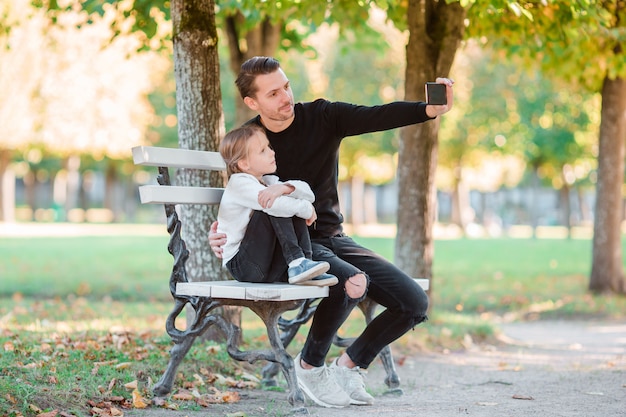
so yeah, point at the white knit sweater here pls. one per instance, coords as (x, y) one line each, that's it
(240, 199)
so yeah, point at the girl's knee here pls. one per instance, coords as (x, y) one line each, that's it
(356, 286)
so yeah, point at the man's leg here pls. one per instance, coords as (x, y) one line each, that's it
(406, 302)
(406, 305)
(314, 377)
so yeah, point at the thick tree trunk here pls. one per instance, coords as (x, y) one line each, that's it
(262, 40)
(200, 125)
(607, 270)
(436, 29)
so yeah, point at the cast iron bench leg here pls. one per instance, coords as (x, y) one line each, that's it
(289, 330)
(270, 312)
(183, 339)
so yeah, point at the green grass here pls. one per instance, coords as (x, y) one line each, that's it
(80, 317)
(119, 267)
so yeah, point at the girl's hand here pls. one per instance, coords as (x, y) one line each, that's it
(312, 219)
(268, 195)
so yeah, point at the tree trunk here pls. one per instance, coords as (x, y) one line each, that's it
(262, 40)
(459, 200)
(110, 187)
(566, 208)
(200, 126)
(534, 201)
(436, 29)
(72, 166)
(7, 188)
(357, 196)
(607, 273)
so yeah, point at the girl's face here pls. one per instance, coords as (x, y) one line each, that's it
(260, 158)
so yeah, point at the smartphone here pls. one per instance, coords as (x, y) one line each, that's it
(436, 94)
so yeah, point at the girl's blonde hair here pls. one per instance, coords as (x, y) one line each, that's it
(234, 146)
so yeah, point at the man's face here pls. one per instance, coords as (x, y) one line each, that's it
(274, 98)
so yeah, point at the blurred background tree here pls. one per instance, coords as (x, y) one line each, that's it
(75, 90)
(565, 37)
(514, 126)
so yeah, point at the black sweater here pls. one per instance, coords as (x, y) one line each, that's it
(308, 149)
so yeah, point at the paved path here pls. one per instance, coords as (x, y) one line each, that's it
(543, 369)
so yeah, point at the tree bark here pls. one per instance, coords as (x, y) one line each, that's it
(7, 190)
(262, 40)
(607, 271)
(200, 126)
(436, 30)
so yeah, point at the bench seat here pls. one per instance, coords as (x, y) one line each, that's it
(250, 290)
(258, 291)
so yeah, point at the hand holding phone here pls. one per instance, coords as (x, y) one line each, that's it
(436, 94)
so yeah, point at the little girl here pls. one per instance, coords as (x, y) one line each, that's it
(265, 220)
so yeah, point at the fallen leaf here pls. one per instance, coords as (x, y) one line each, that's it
(138, 400)
(199, 379)
(132, 385)
(486, 403)
(123, 365)
(183, 395)
(203, 402)
(522, 397)
(116, 399)
(116, 412)
(52, 413)
(249, 377)
(231, 397)
(112, 384)
(45, 348)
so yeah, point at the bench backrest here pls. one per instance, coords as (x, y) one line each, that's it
(179, 158)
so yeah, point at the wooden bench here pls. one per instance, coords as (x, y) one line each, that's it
(268, 301)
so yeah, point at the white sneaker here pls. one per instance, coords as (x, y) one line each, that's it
(351, 381)
(319, 385)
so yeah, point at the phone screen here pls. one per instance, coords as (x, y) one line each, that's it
(436, 94)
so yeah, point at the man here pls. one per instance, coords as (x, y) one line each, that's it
(306, 139)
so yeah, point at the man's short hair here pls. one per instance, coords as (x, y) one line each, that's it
(250, 69)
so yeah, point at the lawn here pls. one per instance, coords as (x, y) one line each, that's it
(82, 318)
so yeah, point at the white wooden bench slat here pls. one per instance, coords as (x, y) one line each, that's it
(250, 290)
(174, 194)
(178, 158)
(422, 282)
(257, 291)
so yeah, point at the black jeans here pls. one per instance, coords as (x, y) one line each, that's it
(406, 302)
(268, 246)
